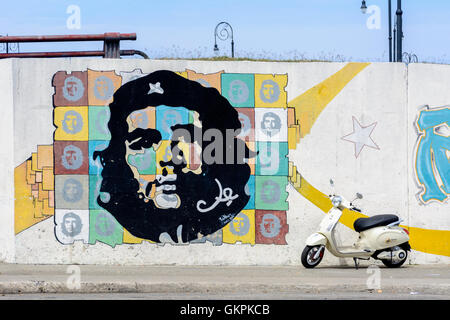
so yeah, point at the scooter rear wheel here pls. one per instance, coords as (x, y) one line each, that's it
(397, 264)
(308, 254)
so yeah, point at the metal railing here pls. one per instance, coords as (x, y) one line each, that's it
(111, 46)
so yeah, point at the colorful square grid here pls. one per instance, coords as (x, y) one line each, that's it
(81, 119)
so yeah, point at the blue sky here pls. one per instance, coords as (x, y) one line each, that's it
(262, 29)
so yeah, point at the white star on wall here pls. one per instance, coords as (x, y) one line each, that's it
(361, 137)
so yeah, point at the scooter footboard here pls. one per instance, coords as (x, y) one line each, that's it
(316, 239)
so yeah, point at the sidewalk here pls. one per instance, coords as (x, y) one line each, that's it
(426, 279)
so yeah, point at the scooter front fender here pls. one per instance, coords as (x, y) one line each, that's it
(316, 239)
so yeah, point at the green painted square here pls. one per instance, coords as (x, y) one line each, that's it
(272, 159)
(98, 123)
(104, 227)
(239, 89)
(270, 193)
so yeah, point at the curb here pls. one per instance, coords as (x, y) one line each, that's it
(211, 288)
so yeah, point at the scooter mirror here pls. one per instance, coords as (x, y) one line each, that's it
(359, 195)
(332, 182)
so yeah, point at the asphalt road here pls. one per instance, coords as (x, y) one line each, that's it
(53, 282)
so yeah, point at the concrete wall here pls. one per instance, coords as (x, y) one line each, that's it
(7, 239)
(331, 101)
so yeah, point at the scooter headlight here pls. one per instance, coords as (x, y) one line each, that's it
(336, 201)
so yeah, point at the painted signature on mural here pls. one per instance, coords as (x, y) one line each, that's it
(225, 195)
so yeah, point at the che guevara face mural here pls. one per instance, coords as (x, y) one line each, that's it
(180, 201)
(175, 157)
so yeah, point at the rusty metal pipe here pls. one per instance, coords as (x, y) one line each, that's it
(65, 38)
(69, 54)
(53, 54)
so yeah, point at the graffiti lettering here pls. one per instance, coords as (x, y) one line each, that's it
(432, 165)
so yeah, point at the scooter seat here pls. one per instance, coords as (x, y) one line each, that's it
(363, 224)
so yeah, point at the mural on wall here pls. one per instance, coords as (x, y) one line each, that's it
(432, 164)
(187, 158)
(146, 157)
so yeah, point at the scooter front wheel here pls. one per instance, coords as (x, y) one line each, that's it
(312, 255)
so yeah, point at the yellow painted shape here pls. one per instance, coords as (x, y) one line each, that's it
(42, 194)
(44, 156)
(424, 240)
(310, 104)
(34, 165)
(267, 90)
(47, 210)
(48, 181)
(249, 237)
(31, 177)
(128, 238)
(60, 134)
(292, 120)
(38, 208)
(292, 138)
(430, 241)
(25, 208)
(184, 74)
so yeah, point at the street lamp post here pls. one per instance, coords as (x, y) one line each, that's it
(390, 30)
(399, 31)
(223, 31)
(363, 7)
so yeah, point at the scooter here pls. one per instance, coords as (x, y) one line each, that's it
(380, 237)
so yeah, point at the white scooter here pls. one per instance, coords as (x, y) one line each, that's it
(380, 237)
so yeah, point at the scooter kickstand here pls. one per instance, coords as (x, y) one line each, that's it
(356, 263)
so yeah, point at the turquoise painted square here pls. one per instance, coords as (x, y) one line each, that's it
(166, 117)
(250, 191)
(145, 163)
(95, 166)
(104, 227)
(239, 89)
(98, 123)
(95, 183)
(270, 193)
(272, 159)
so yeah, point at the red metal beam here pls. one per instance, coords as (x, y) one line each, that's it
(69, 54)
(53, 54)
(64, 38)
